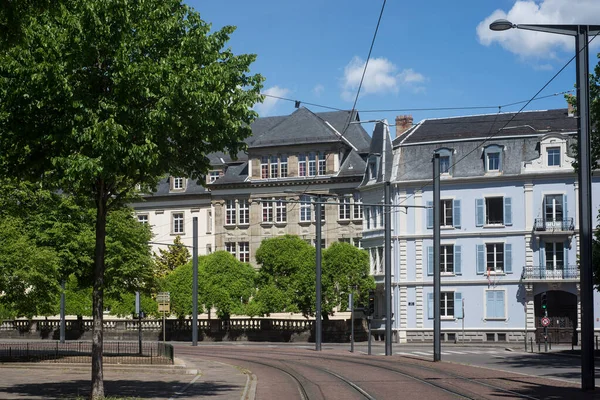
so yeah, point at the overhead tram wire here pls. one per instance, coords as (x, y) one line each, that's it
(491, 136)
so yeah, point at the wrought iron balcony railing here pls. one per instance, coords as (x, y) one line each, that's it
(558, 272)
(544, 225)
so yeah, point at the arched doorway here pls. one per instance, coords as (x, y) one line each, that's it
(562, 312)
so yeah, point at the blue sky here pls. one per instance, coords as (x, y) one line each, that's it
(427, 54)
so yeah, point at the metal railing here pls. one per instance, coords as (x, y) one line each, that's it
(544, 225)
(81, 352)
(558, 273)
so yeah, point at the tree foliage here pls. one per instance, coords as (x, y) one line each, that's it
(168, 260)
(179, 285)
(97, 96)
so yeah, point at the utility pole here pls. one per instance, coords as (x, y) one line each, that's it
(62, 312)
(195, 282)
(437, 324)
(318, 322)
(388, 268)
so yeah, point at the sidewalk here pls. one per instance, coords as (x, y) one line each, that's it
(180, 381)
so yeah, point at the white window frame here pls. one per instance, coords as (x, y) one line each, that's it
(447, 209)
(178, 183)
(493, 157)
(446, 253)
(344, 208)
(230, 248)
(264, 167)
(445, 298)
(273, 167)
(143, 218)
(244, 212)
(553, 256)
(178, 223)
(322, 164)
(230, 212)
(497, 261)
(209, 221)
(305, 209)
(280, 211)
(244, 251)
(267, 211)
(283, 166)
(312, 164)
(302, 164)
(553, 149)
(213, 176)
(358, 207)
(557, 201)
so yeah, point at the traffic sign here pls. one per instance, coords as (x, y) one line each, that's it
(545, 321)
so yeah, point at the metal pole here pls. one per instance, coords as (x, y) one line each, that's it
(585, 211)
(387, 258)
(352, 321)
(437, 325)
(138, 308)
(318, 325)
(369, 330)
(62, 312)
(195, 282)
(463, 320)
(164, 328)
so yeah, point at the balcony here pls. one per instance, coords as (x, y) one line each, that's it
(566, 272)
(542, 226)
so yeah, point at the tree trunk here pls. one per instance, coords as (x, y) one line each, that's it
(98, 295)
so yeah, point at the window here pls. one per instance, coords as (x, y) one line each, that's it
(449, 213)
(493, 211)
(267, 209)
(368, 216)
(178, 183)
(451, 305)
(142, 218)
(380, 259)
(274, 167)
(553, 156)
(244, 251)
(230, 248)
(555, 256)
(283, 166)
(230, 212)
(493, 162)
(209, 249)
(553, 208)
(322, 243)
(494, 304)
(450, 259)
(344, 240)
(244, 211)
(447, 259)
(372, 166)
(322, 163)
(305, 207)
(264, 167)
(280, 211)
(374, 214)
(209, 221)
(344, 208)
(213, 176)
(494, 257)
(356, 242)
(358, 208)
(177, 222)
(445, 164)
(312, 164)
(381, 216)
(301, 164)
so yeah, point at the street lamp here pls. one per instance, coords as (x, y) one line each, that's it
(581, 34)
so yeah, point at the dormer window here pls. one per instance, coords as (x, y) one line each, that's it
(177, 183)
(372, 167)
(492, 156)
(445, 161)
(553, 156)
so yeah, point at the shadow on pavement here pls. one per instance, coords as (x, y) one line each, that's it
(122, 388)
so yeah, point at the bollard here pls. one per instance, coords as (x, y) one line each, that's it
(531, 342)
(539, 344)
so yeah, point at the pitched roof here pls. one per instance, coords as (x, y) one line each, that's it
(481, 126)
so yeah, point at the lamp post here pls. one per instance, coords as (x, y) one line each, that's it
(581, 34)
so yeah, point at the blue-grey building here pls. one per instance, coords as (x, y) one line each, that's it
(509, 226)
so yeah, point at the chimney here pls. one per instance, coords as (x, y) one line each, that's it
(570, 110)
(403, 123)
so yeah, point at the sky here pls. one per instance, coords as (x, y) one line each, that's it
(427, 55)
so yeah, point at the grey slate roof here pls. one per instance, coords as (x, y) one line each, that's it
(381, 145)
(480, 126)
(191, 188)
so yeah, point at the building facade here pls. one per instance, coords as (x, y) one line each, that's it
(509, 228)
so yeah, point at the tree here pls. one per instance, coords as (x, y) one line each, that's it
(345, 267)
(284, 279)
(168, 260)
(179, 284)
(225, 283)
(98, 96)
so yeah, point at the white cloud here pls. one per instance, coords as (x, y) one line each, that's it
(537, 44)
(381, 77)
(318, 90)
(265, 108)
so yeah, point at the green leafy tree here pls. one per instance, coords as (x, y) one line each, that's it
(98, 96)
(345, 268)
(226, 283)
(286, 275)
(179, 284)
(168, 260)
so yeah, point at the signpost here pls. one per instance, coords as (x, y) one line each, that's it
(545, 321)
(164, 305)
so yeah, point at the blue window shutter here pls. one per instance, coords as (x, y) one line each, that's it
(544, 209)
(565, 210)
(429, 260)
(507, 258)
(566, 254)
(458, 305)
(456, 214)
(490, 304)
(430, 305)
(500, 303)
(429, 214)
(542, 251)
(479, 212)
(457, 260)
(507, 211)
(480, 259)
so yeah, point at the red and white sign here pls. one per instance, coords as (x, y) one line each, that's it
(545, 321)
